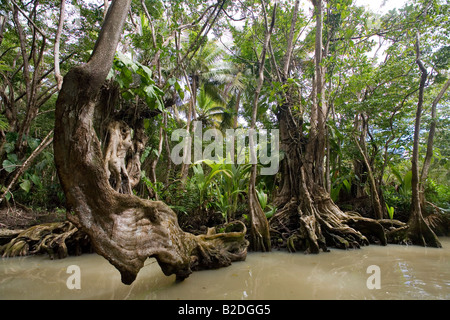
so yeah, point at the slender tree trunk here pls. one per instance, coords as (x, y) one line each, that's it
(259, 230)
(154, 162)
(378, 210)
(105, 8)
(290, 43)
(236, 110)
(58, 76)
(31, 74)
(2, 27)
(429, 154)
(328, 165)
(419, 232)
(167, 147)
(307, 219)
(188, 147)
(316, 145)
(123, 228)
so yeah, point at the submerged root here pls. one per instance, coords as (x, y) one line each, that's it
(57, 239)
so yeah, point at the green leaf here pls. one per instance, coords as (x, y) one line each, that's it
(36, 180)
(4, 67)
(390, 211)
(347, 185)
(127, 95)
(13, 158)
(172, 81)
(4, 125)
(26, 185)
(179, 90)
(9, 166)
(146, 75)
(33, 143)
(407, 181)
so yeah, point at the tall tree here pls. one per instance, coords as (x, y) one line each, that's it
(304, 204)
(124, 229)
(419, 231)
(259, 227)
(431, 134)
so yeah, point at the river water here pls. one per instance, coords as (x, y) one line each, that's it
(401, 272)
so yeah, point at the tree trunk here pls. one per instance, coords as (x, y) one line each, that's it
(378, 211)
(316, 146)
(429, 154)
(259, 226)
(419, 232)
(167, 147)
(58, 76)
(307, 219)
(123, 228)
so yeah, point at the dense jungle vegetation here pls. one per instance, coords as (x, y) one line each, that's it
(360, 100)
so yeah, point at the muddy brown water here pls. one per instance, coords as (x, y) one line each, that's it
(402, 272)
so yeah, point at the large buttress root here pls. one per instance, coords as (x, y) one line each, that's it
(150, 229)
(123, 228)
(307, 219)
(312, 221)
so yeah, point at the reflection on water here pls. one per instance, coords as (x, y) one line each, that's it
(406, 272)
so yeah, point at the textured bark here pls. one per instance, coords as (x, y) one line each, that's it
(378, 211)
(134, 163)
(123, 228)
(119, 143)
(58, 75)
(259, 226)
(419, 231)
(56, 239)
(429, 154)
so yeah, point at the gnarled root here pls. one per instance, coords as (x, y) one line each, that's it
(317, 223)
(56, 239)
(137, 229)
(216, 250)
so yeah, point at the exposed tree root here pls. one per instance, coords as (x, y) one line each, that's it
(185, 252)
(7, 235)
(314, 222)
(56, 239)
(123, 228)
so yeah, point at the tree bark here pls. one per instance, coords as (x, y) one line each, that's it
(429, 154)
(419, 232)
(123, 228)
(62, 13)
(31, 74)
(2, 27)
(307, 219)
(316, 145)
(373, 185)
(259, 226)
